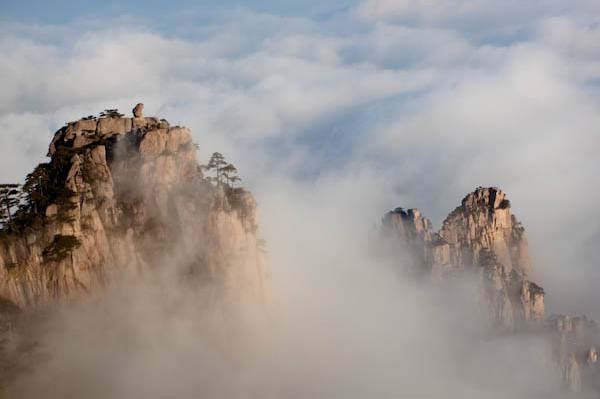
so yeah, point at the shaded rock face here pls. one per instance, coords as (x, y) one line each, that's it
(574, 340)
(480, 237)
(122, 196)
(412, 232)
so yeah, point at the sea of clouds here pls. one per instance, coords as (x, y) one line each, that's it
(335, 117)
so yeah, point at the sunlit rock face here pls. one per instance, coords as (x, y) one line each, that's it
(481, 225)
(122, 197)
(480, 236)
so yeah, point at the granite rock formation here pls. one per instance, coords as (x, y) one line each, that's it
(481, 238)
(126, 196)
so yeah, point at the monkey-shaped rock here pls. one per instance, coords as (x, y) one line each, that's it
(138, 110)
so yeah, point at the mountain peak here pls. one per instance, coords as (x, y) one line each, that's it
(479, 236)
(482, 238)
(488, 197)
(123, 195)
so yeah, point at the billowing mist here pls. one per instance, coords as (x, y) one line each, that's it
(333, 117)
(345, 322)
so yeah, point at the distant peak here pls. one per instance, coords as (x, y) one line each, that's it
(488, 197)
(412, 213)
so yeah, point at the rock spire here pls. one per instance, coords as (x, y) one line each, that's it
(480, 236)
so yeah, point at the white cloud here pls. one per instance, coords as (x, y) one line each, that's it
(429, 9)
(493, 13)
(24, 142)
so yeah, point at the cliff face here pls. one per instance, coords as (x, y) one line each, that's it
(123, 196)
(482, 238)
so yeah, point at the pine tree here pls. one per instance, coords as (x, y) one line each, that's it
(37, 188)
(10, 199)
(111, 113)
(216, 163)
(60, 248)
(229, 172)
(225, 172)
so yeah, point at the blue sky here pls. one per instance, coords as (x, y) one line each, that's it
(412, 103)
(63, 11)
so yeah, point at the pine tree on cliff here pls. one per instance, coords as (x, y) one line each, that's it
(217, 163)
(37, 188)
(111, 113)
(10, 198)
(229, 173)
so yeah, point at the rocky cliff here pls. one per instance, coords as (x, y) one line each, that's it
(481, 238)
(124, 196)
